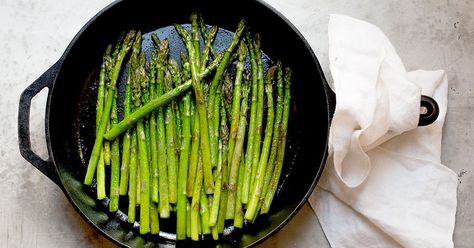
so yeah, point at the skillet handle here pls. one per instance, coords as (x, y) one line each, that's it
(45, 166)
(432, 108)
(432, 111)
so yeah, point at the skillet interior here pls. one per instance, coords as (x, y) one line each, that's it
(70, 117)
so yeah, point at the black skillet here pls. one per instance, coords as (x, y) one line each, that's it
(70, 111)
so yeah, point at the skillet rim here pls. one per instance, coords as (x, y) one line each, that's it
(329, 104)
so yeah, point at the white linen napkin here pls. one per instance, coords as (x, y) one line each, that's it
(383, 184)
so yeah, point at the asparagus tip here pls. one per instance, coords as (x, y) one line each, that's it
(156, 40)
(288, 73)
(271, 74)
(107, 51)
(163, 51)
(242, 24)
(213, 30)
(256, 41)
(242, 50)
(194, 17)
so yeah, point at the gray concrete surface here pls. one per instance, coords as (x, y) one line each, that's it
(428, 34)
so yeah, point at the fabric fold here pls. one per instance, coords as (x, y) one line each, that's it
(383, 184)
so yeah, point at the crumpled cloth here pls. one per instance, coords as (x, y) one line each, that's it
(383, 184)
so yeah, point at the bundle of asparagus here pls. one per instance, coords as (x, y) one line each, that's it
(184, 150)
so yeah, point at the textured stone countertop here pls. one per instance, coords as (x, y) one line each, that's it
(428, 34)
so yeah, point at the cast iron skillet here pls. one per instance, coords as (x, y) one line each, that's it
(70, 112)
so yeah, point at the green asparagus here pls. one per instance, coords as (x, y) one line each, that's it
(262, 164)
(201, 105)
(252, 123)
(160, 120)
(115, 165)
(259, 112)
(107, 108)
(237, 152)
(171, 160)
(190, 151)
(281, 147)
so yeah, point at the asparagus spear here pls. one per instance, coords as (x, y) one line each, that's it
(101, 88)
(109, 68)
(208, 179)
(136, 100)
(171, 160)
(109, 71)
(154, 221)
(259, 114)
(224, 137)
(179, 107)
(214, 230)
(195, 39)
(199, 227)
(146, 123)
(177, 104)
(194, 126)
(99, 111)
(183, 170)
(133, 193)
(101, 177)
(124, 169)
(218, 189)
(193, 159)
(205, 34)
(132, 189)
(137, 180)
(141, 112)
(252, 123)
(281, 147)
(237, 152)
(184, 155)
(228, 91)
(107, 108)
(215, 83)
(153, 131)
(145, 97)
(209, 39)
(139, 81)
(203, 210)
(154, 211)
(201, 106)
(276, 136)
(195, 223)
(186, 67)
(162, 151)
(188, 219)
(215, 119)
(107, 153)
(217, 192)
(115, 165)
(239, 211)
(225, 61)
(262, 165)
(236, 101)
(113, 58)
